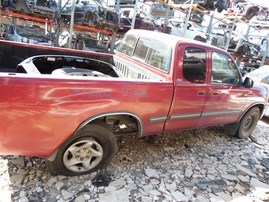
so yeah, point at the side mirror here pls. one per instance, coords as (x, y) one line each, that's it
(248, 82)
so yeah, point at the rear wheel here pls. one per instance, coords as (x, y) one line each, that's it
(248, 123)
(92, 148)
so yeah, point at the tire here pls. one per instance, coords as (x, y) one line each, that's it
(248, 123)
(251, 12)
(199, 38)
(90, 149)
(243, 49)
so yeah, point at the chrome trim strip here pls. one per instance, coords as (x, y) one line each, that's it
(220, 113)
(157, 119)
(175, 117)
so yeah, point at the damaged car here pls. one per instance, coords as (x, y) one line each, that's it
(92, 13)
(43, 8)
(27, 34)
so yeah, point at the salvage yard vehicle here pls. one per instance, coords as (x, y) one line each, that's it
(260, 76)
(27, 34)
(193, 31)
(42, 8)
(70, 110)
(92, 13)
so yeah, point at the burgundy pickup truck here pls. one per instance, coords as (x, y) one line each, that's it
(70, 109)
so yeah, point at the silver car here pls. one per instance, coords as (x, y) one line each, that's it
(260, 76)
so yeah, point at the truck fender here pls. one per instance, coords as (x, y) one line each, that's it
(232, 128)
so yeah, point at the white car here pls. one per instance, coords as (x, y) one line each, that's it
(193, 31)
(260, 76)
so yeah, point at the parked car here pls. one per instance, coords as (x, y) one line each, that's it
(193, 31)
(260, 76)
(92, 13)
(240, 45)
(154, 10)
(86, 42)
(220, 5)
(43, 8)
(27, 34)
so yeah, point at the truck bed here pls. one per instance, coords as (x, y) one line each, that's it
(63, 65)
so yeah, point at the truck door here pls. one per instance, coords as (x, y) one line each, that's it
(226, 96)
(190, 88)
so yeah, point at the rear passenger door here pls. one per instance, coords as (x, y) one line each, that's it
(226, 96)
(190, 88)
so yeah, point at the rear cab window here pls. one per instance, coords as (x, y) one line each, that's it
(142, 48)
(128, 44)
(152, 52)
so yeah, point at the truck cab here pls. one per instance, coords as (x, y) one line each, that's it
(208, 87)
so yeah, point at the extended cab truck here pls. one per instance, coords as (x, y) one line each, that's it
(70, 110)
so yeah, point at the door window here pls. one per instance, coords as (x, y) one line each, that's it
(194, 65)
(224, 70)
(159, 56)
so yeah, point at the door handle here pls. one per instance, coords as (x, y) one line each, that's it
(215, 93)
(201, 92)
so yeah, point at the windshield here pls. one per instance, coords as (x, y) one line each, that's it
(90, 43)
(30, 31)
(93, 43)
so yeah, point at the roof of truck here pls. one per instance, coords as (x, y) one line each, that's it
(166, 38)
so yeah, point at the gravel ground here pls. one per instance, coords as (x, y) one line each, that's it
(195, 165)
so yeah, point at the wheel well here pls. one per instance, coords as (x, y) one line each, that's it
(260, 106)
(232, 128)
(119, 124)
